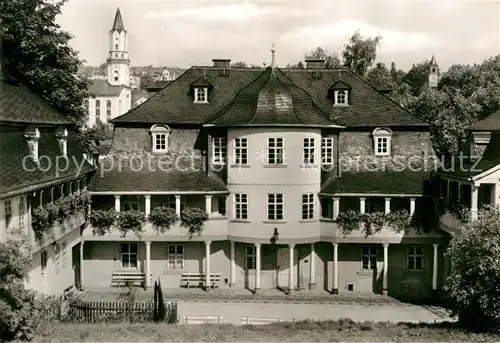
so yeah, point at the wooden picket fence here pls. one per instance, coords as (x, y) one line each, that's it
(114, 312)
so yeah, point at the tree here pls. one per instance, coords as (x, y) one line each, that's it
(299, 65)
(360, 53)
(103, 69)
(379, 75)
(331, 59)
(239, 64)
(397, 75)
(417, 77)
(473, 282)
(37, 53)
(146, 80)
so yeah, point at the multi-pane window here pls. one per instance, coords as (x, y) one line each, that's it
(21, 212)
(341, 97)
(308, 151)
(43, 260)
(219, 149)
(98, 109)
(275, 206)
(160, 141)
(108, 110)
(327, 150)
(241, 206)
(64, 255)
(250, 261)
(130, 202)
(201, 95)
(57, 258)
(382, 146)
(308, 206)
(175, 256)
(240, 151)
(369, 258)
(129, 255)
(8, 212)
(415, 258)
(275, 151)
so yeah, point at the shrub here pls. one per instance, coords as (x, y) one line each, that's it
(473, 282)
(162, 218)
(102, 221)
(131, 220)
(193, 219)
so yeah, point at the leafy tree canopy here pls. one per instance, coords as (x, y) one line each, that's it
(331, 59)
(360, 53)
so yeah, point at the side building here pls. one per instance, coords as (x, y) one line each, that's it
(286, 165)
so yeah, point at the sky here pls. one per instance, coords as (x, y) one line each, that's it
(187, 33)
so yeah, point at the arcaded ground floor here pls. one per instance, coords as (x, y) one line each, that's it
(399, 270)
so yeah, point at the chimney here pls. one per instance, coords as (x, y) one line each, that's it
(315, 63)
(221, 63)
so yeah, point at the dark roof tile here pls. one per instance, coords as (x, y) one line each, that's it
(103, 88)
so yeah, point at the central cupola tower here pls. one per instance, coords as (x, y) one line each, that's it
(118, 60)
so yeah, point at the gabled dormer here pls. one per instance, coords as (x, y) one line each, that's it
(200, 89)
(62, 140)
(340, 93)
(32, 135)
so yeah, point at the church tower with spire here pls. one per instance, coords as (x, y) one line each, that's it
(118, 60)
(433, 73)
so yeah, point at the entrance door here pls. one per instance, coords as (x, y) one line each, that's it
(75, 262)
(283, 260)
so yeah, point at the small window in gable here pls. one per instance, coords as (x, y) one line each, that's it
(340, 93)
(200, 89)
(382, 142)
(32, 135)
(201, 94)
(160, 138)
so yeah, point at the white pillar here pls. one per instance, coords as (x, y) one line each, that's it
(336, 207)
(362, 202)
(178, 205)
(81, 264)
(459, 195)
(147, 205)
(312, 268)
(335, 289)
(435, 268)
(232, 278)
(257, 267)
(387, 205)
(386, 266)
(412, 206)
(291, 283)
(208, 204)
(473, 206)
(207, 265)
(492, 194)
(117, 203)
(448, 190)
(148, 264)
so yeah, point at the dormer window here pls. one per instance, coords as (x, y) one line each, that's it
(160, 138)
(32, 135)
(341, 97)
(62, 139)
(340, 93)
(201, 95)
(382, 142)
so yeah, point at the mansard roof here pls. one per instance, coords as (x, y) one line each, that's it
(174, 103)
(103, 88)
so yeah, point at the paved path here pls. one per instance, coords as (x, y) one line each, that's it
(232, 312)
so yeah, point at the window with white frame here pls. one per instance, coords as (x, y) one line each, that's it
(129, 255)
(240, 151)
(308, 151)
(308, 206)
(327, 150)
(108, 110)
(341, 97)
(369, 257)
(22, 212)
(201, 94)
(64, 255)
(250, 260)
(160, 138)
(415, 258)
(57, 258)
(275, 206)
(8, 212)
(130, 202)
(219, 150)
(240, 206)
(382, 142)
(43, 260)
(175, 256)
(275, 151)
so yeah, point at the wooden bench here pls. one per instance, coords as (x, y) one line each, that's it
(198, 280)
(124, 276)
(202, 319)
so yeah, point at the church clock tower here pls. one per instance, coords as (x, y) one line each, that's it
(118, 60)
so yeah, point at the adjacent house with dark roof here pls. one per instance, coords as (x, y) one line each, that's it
(43, 176)
(284, 164)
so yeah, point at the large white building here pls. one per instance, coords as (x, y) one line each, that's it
(113, 95)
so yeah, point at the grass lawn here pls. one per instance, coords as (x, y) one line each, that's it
(307, 331)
